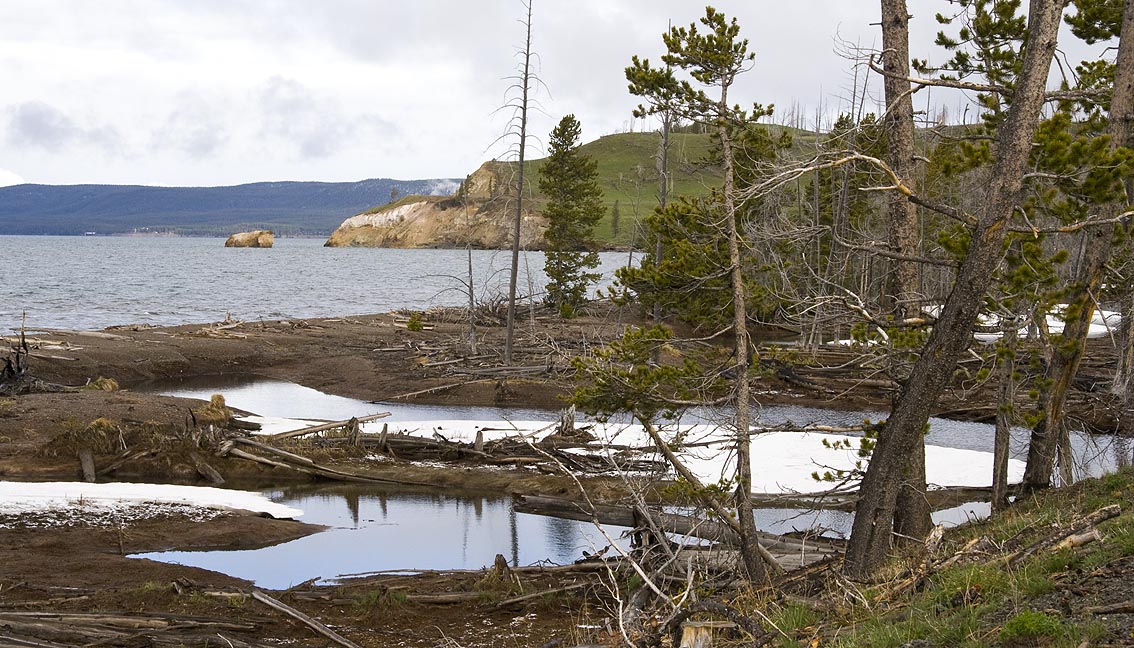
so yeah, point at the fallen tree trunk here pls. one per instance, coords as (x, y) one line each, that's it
(1076, 527)
(289, 461)
(683, 525)
(306, 620)
(323, 427)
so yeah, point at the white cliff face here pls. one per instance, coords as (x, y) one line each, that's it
(388, 218)
(482, 220)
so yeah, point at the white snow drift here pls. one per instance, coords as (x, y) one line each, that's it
(27, 497)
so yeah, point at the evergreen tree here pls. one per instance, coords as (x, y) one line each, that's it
(574, 206)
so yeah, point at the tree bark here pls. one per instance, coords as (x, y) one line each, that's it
(912, 518)
(663, 199)
(754, 562)
(1004, 406)
(952, 334)
(1049, 433)
(1124, 375)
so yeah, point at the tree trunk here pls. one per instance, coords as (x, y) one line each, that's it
(663, 199)
(524, 81)
(952, 334)
(1124, 375)
(912, 515)
(749, 543)
(1004, 407)
(1068, 348)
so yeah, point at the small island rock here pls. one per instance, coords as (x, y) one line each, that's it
(254, 239)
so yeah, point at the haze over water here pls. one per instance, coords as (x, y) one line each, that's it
(94, 282)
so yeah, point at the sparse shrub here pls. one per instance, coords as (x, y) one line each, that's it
(101, 384)
(381, 597)
(415, 323)
(215, 413)
(1032, 628)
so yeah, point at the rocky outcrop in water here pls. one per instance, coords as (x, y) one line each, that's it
(253, 239)
(479, 215)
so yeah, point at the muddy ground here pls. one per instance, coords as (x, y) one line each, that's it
(82, 569)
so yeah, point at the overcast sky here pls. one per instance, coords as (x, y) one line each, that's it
(216, 92)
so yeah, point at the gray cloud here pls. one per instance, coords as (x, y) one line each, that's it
(195, 127)
(313, 125)
(35, 124)
(312, 90)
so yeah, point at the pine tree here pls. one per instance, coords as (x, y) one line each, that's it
(569, 179)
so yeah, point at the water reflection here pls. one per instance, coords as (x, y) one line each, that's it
(376, 529)
(1094, 455)
(373, 529)
(837, 524)
(280, 398)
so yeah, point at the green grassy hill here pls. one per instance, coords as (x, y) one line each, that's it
(627, 167)
(628, 176)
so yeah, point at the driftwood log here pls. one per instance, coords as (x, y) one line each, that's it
(323, 427)
(788, 551)
(306, 620)
(14, 377)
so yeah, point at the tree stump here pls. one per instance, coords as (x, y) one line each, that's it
(699, 634)
(86, 461)
(353, 431)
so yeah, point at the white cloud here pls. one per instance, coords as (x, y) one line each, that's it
(7, 178)
(223, 91)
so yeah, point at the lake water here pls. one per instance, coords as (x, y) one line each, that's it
(383, 529)
(375, 528)
(90, 282)
(1094, 454)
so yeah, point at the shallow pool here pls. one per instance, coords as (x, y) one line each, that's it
(379, 529)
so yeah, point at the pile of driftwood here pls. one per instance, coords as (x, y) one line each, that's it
(790, 552)
(15, 375)
(65, 629)
(549, 455)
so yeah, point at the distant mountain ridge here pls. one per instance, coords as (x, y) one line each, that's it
(288, 208)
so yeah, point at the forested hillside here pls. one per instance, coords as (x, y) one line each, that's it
(288, 208)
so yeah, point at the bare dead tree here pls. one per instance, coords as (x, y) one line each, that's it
(524, 84)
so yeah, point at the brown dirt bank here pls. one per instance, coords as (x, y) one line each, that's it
(371, 357)
(375, 357)
(77, 582)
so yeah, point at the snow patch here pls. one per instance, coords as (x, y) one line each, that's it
(783, 462)
(31, 497)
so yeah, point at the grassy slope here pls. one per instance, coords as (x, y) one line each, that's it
(627, 173)
(627, 170)
(1041, 601)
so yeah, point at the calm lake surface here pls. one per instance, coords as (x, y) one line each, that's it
(374, 528)
(90, 282)
(383, 529)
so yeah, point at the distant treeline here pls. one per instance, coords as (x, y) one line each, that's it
(288, 208)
